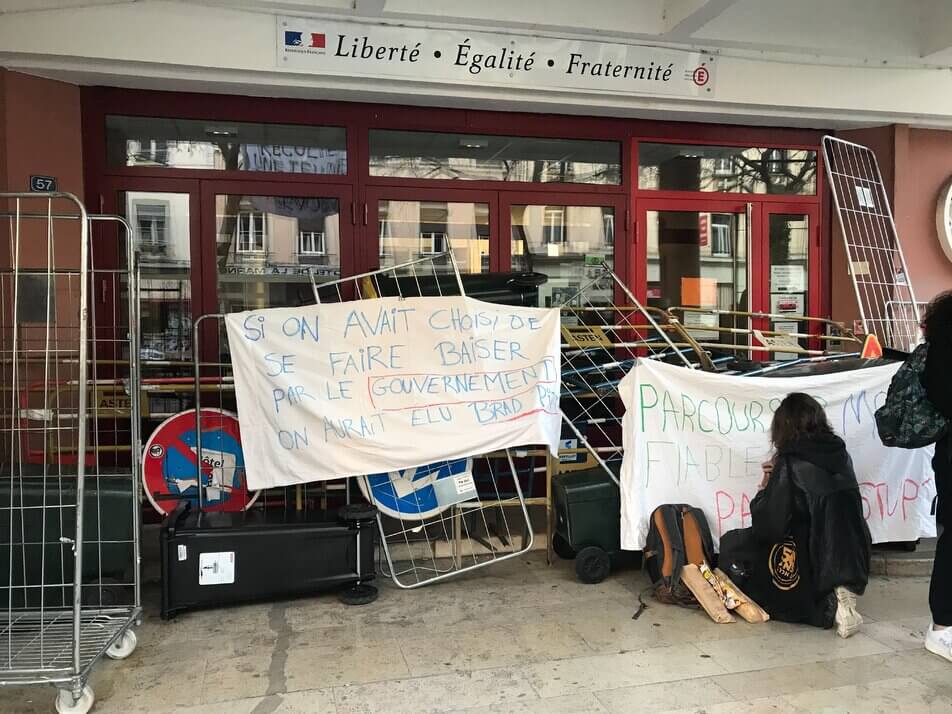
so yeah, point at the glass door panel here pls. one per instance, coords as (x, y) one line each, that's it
(698, 261)
(267, 247)
(788, 279)
(412, 229)
(568, 244)
(162, 224)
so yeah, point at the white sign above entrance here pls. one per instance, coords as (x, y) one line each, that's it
(425, 55)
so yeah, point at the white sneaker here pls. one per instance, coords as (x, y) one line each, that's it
(939, 642)
(847, 619)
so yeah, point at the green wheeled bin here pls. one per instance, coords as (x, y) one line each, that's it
(587, 508)
(37, 530)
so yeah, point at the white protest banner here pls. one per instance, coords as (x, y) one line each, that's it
(372, 386)
(700, 438)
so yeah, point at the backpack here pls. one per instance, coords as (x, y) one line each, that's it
(908, 419)
(677, 535)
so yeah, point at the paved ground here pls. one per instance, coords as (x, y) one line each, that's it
(521, 637)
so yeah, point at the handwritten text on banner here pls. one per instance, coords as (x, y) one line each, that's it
(344, 389)
(693, 437)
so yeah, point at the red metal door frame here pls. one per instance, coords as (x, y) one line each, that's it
(109, 202)
(814, 304)
(717, 203)
(210, 189)
(358, 119)
(815, 273)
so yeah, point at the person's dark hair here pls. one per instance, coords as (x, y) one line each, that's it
(937, 323)
(798, 416)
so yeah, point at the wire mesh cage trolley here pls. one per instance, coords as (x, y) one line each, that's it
(422, 541)
(69, 445)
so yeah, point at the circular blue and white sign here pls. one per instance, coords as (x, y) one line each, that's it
(418, 493)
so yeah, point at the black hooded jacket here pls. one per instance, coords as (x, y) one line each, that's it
(938, 383)
(813, 480)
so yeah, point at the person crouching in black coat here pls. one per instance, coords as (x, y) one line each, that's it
(807, 554)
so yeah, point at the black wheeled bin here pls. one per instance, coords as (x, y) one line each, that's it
(215, 559)
(587, 508)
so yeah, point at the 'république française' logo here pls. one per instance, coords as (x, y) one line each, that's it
(317, 45)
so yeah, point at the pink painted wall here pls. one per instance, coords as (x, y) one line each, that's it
(41, 133)
(924, 164)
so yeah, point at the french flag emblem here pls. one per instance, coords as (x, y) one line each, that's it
(318, 40)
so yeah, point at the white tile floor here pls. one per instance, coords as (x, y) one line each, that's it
(519, 637)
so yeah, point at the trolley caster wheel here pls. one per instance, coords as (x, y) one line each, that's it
(563, 548)
(358, 595)
(124, 646)
(356, 512)
(592, 565)
(65, 704)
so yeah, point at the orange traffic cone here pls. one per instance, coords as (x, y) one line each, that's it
(871, 348)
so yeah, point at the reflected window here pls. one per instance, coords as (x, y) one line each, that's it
(251, 228)
(775, 161)
(409, 230)
(229, 146)
(608, 226)
(311, 243)
(432, 243)
(721, 238)
(464, 157)
(270, 247)
(553, 231)
(151, 222)
(566, 243)
(730, 169)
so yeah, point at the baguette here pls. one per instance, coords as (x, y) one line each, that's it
(705, 595)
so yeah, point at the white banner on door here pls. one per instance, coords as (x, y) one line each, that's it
(373, 386)
(700, 438)
(329, 47)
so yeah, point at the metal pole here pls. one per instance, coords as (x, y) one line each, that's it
(82, 379)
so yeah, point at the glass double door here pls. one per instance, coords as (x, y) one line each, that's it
(719, 266)
(497, 236)
(224, 246)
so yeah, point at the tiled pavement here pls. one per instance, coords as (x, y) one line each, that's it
(519, 637)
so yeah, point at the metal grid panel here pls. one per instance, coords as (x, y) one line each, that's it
(481, 531)
(881, 279)
(600, 343)
(492, 526)
(69, 441)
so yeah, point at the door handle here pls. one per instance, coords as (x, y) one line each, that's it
(365, 213)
